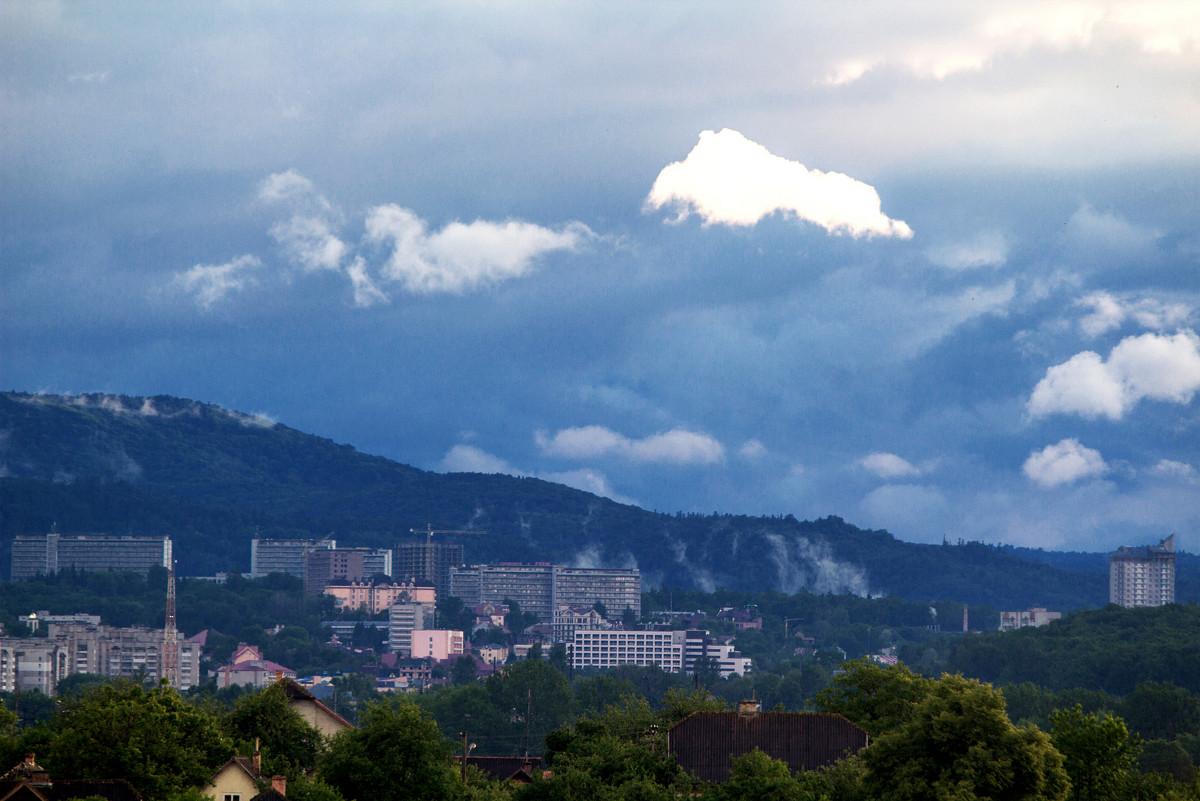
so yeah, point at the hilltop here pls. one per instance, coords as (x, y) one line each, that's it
(212, 478)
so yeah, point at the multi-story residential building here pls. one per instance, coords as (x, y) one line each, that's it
(376, 597)
(428, 561)
(403, 620)
(323, 565)
(1143, 576)
(46, 554)
(673, 651)
(1029, 618)
(284, 556)
(568, 619)
(84, 647)
(436, 644)
(541, 588)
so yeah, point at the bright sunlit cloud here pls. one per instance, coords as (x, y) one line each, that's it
(728, 179)
(1063, 463)
(1109, 312)
(677, 446)
(1150, 366)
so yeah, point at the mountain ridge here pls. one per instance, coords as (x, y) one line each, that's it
(212, 478)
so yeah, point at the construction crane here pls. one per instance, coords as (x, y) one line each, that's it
(429, 531)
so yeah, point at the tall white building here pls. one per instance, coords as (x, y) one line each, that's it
(673, 651)
(541, 588)
(46, 554)
(1143, 576)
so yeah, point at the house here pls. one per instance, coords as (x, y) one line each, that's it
(236, 780)
(519, 770)
(315, 713)
(247, 666)
(705, 743)
(29, 781)
(276, 792)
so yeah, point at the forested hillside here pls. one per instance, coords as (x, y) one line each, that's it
(212, 478)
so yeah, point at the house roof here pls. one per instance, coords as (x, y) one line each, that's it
(295, 692)
(244, 764)
(519, 769)
(705, 743)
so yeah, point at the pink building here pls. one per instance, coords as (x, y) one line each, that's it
(376, 598)
(437, 644)
(247, 666)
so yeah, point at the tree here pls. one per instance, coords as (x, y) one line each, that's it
(706, 670)
(535, 696)
(397, 754)
(877, 697)
(160, 743)
(464, 670)
(757, 777)
(958, 744)
(289, 745)
(1099, 753)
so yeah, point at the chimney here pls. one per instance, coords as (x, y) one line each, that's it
(750, 707)
(257, 759)
(279, 784)
(279, 675)
(29, 758)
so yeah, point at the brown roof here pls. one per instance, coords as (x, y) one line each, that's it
(519, 769)
(705, 743)
(63, 789)
(295, 692)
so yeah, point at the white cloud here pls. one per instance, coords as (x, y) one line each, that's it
(730, 180)
(366, 293)
(1153, 366)
(1170, 468)
(588, 480)
(469, 459)
(888, 465)
(1109, 312)
(211, 282)
(1109, 235)
(985, 250)
(1063, 463)
(284, 186)
(310, 242)
(462, 256)
(677, 446)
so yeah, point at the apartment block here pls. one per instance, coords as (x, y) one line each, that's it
(403, 620)
(83, 647)
(673, 651)
(429, 562)
(1143, 576)
(46, 554)
(376, 597)
(437, 644)
(542, 587)
(283, 556)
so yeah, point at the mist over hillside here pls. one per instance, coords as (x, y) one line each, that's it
(212, 478)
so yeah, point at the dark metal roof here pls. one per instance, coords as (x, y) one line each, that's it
(705, 743)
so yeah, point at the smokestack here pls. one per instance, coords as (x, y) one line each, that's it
(279, 784)
(965, 629)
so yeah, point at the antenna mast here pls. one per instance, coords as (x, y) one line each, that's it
(170, 654)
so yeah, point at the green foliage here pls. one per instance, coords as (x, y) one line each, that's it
(537, 698)
(1099, 753)
(396, 754)
(1169, 757)
(959, 745)
(288, 744)
(1161, 711)
(877, 697)
(153, 738)
(757, 777)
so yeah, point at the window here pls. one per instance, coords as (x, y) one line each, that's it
(233, 797)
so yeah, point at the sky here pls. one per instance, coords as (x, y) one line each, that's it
(932, 267)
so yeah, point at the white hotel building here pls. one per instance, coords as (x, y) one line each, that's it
(673, 651)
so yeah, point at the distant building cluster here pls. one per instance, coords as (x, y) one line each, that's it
(80, 644)
(1143, 576)
(1029, 618)
(46, 554)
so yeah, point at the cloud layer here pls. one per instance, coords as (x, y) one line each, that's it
(1063, 463)
(728, 179)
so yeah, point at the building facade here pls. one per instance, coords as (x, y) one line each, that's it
(541, 588)
(39, 663)
(672, 651)
(403, 620)
(1029, 618)
(1143, 576)
(283, 556)
(428, 561)
(437, 644)
(378, 597)
(47, 554)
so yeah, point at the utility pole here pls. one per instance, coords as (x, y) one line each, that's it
(464, 758)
